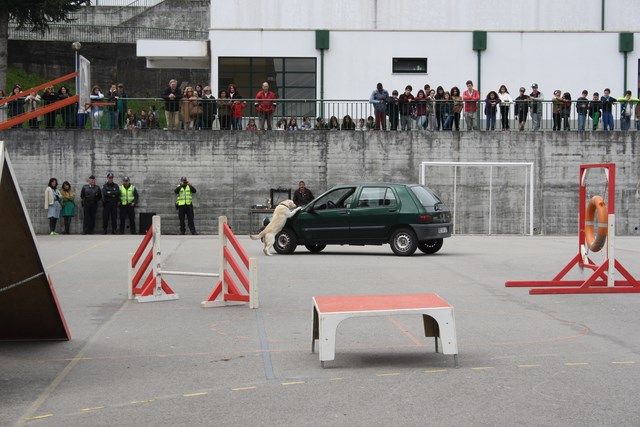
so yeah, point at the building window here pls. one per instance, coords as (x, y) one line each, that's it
(289, 78)
(410, 65)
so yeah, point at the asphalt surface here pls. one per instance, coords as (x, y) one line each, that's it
(546, 360)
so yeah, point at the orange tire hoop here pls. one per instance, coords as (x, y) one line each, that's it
(596, 224)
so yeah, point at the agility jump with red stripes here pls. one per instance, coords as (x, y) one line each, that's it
(597, 229)
(226, 292)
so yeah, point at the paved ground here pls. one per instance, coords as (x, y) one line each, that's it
(524, 360)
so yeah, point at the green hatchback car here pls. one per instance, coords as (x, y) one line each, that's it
(407, 216)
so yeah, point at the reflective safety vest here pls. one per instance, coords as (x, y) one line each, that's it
(184, 196)
(126, 195)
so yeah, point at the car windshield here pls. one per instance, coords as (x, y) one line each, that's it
(427, 197)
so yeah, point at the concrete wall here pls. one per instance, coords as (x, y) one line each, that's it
(233, 171)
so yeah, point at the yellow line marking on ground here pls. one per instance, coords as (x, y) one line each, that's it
(139, 402)
(244, 388)
(576, 363)
(482, 368)
(336, 379)
(630, 362)
(195, 394)
(63, 260)
(293, 383)
(435, 371)
(62, 375)
(39, 417)
(92, 409)
(528, 366)
(391, 374)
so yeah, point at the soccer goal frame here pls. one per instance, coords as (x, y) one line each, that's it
(528, 186)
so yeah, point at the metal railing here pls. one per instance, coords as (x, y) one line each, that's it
(218, 114)
(105, 33)
(125, 3)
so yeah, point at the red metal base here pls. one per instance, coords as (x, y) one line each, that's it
(595, 284)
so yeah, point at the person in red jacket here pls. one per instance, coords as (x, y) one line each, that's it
(265, 105)
(471, 98)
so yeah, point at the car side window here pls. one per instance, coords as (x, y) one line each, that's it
(334, 199)
(389, 198)
(375, 197)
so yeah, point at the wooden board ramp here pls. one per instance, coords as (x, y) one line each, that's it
(29, 308)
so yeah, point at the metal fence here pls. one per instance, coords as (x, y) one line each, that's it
(104, 33)
(336, 114)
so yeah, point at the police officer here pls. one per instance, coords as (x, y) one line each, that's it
(110, 199)
(128, 201)
(90, 195)
(184, 203)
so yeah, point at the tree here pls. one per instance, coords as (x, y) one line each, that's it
(33, 14)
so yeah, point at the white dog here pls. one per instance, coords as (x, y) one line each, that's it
(281, 213)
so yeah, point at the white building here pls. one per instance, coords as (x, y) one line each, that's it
(569, 45)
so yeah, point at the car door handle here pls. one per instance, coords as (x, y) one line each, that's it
(344, 213)
(392, 210)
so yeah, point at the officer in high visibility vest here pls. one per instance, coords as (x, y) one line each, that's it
(184, 204)
(128, 202)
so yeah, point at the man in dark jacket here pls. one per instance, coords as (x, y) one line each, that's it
(172, 96)
(110, 199)
(121, 105)
(302, 195)
(90, 195)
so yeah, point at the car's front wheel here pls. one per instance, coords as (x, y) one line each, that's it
(286, 242)
(403, 242)
(430, 246)
(315, 248)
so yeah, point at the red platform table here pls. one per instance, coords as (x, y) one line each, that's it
(329, 311)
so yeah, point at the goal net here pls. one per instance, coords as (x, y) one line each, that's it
(484, 197)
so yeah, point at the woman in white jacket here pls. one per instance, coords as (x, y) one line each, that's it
(505, 105)
(96, 111)
(52, 204)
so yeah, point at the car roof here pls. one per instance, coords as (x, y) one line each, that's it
(376, 183)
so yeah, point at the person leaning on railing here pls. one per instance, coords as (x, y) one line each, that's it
(16, 106)
(638, 116)
(582, 109)
(172, 96)
(471, 97)
(209, 108)
(32, 101)
(627, 110)
(49, 97)
(68, 113)
(3, 107)
(535, 98)
(595, 110)
(265, 105)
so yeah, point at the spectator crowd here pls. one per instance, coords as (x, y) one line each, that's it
(196, 107)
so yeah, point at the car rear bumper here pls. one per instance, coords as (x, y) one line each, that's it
(432, 231)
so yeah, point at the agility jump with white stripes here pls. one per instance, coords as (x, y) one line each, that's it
(148, 260)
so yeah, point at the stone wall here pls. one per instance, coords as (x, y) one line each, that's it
(234, 170)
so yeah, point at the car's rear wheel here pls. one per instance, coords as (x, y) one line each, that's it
(430, 246)
(403, 242)
(286, 242)
(315, 248)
